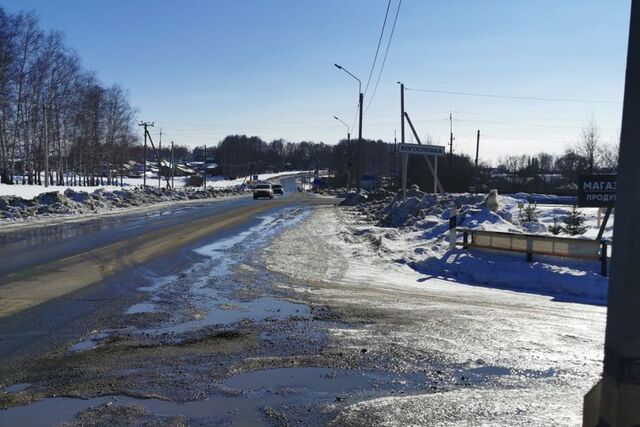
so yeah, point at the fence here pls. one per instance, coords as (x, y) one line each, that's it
(531, 244)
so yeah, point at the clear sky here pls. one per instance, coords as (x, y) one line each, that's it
(202, 69)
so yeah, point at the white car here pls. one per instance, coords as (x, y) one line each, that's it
(262, 190)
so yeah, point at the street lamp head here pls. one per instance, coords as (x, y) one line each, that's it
(338, 67)
(336, 118)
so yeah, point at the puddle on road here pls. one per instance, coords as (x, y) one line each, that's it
(16, 388)
(158, 283)
(143, 307)
(291, 389)
(484, 373)
(89, 343)
(231, 311)
(202, 295)
(325, 380)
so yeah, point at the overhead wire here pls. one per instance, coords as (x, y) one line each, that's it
(375, 57)
(384, 60)
(531, 117)
(526, 98)
(524, 124)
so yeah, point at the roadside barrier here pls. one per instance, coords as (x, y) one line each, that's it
(534, 244)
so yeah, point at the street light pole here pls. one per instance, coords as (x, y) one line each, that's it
(348, 150)
(360, 102)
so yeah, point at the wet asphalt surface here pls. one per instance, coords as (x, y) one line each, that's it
(202, 335)
(52, 321)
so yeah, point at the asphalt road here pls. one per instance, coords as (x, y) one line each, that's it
(268, 313)
(55, 280)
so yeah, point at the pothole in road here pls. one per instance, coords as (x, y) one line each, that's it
(313, 395)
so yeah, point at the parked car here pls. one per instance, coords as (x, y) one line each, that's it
(262, 190)
(277, 189)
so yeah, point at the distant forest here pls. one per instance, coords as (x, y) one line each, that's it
(55, 114)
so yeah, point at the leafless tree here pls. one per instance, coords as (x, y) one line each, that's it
(609, 156)
(42, 86)
(589, 147)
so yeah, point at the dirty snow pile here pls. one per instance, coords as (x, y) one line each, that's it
(71, 202)
(415, 232)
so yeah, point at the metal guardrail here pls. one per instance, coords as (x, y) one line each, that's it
(531, 244)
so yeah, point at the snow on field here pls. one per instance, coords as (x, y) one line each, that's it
(415, 233)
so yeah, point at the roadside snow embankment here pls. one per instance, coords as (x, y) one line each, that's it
(71, 202)
(25, 202)
(415, 232)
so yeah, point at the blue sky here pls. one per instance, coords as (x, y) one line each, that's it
(204, 69)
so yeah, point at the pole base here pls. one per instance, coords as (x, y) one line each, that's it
(612, 403)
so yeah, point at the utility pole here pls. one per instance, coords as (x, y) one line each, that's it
(402, 113)
(347, 160)
(451, 138)
(395, 158)
(360, 102)
(205, 167)
(477, 147)
(46, 147)
(477, 180)
(144, 166)
(159, 160)
(614, 400)
(402, 141)
(361, 98)
(172, 166)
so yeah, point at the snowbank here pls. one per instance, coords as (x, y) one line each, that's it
(415, 232)
(72, 202)
(31, 191)
(22, 202)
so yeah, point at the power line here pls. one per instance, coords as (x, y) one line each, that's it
(526, 98)
(534, 117)
(517, 138)
(386, 52)
(375, 58)
(355, 117)
(524, 124)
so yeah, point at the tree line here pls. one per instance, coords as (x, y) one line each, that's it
(52, 112)
(546, 172)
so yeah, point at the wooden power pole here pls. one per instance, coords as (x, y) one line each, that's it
(451, 138)
(144, 166)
